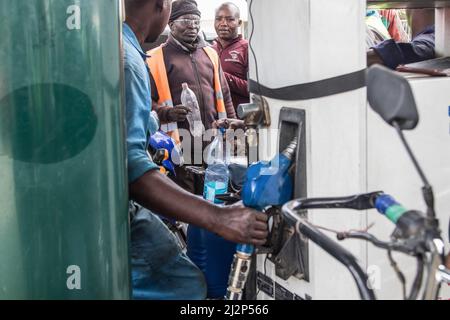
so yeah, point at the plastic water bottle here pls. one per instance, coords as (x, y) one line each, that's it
(188, 99)
(217, 174)
(218, 251)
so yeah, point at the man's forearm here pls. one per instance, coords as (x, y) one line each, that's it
(373, 58)
(161, 195)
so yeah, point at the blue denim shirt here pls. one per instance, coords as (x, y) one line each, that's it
(139, 119)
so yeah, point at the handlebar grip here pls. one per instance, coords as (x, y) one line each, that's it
(388, 206)
(409, 222)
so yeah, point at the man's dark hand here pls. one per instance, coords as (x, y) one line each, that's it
(239, 224)
(235, 223)
(229, 124)
(177, 113)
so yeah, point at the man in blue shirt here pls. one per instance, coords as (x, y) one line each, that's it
(159, 269)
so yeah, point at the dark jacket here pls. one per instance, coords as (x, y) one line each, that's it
(234, 60)
(420, 48)
(196, 69)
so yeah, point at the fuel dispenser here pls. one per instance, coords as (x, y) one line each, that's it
(307, 79)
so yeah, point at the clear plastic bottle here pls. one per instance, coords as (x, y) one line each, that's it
(216, 181)
(188, 99)
(217, 174)
(210, 252)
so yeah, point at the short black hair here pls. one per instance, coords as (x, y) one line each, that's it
(134, 4)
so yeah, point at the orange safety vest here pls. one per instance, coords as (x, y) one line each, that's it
(158, 70)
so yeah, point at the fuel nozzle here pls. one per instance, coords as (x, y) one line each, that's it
(289, 152)
(238, 275)
(267, 184)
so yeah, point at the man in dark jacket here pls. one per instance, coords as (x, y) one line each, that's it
(186, 59)
(422, 46)
(233, 51)
(393, 54)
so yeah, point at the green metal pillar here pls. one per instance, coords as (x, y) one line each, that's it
(63, 184)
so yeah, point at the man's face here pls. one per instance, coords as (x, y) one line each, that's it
(227, 23)
(186, 28)
(159, 18)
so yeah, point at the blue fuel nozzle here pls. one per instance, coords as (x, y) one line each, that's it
(267, 184)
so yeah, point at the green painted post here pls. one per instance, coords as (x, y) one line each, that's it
(63, 184)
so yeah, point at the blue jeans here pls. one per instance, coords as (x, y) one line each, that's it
(159, 268)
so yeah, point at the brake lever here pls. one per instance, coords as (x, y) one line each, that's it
(357, 202)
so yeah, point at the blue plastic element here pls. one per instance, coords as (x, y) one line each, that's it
(213, 186)
(245, 248)
(268, 183)
(216, 182)
(217, 174)
(196, 247)
(219, 257)
(161, 140)
(386, 205)
(214, 256)
(384, 202)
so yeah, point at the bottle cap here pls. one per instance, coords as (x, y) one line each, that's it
(184, 85)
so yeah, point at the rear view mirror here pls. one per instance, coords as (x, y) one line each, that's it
(390, 96)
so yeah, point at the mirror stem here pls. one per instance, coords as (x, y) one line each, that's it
(427, 190)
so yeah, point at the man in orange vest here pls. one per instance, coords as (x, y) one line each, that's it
(187, 58)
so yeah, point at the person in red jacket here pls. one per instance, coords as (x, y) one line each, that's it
(233, 51)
